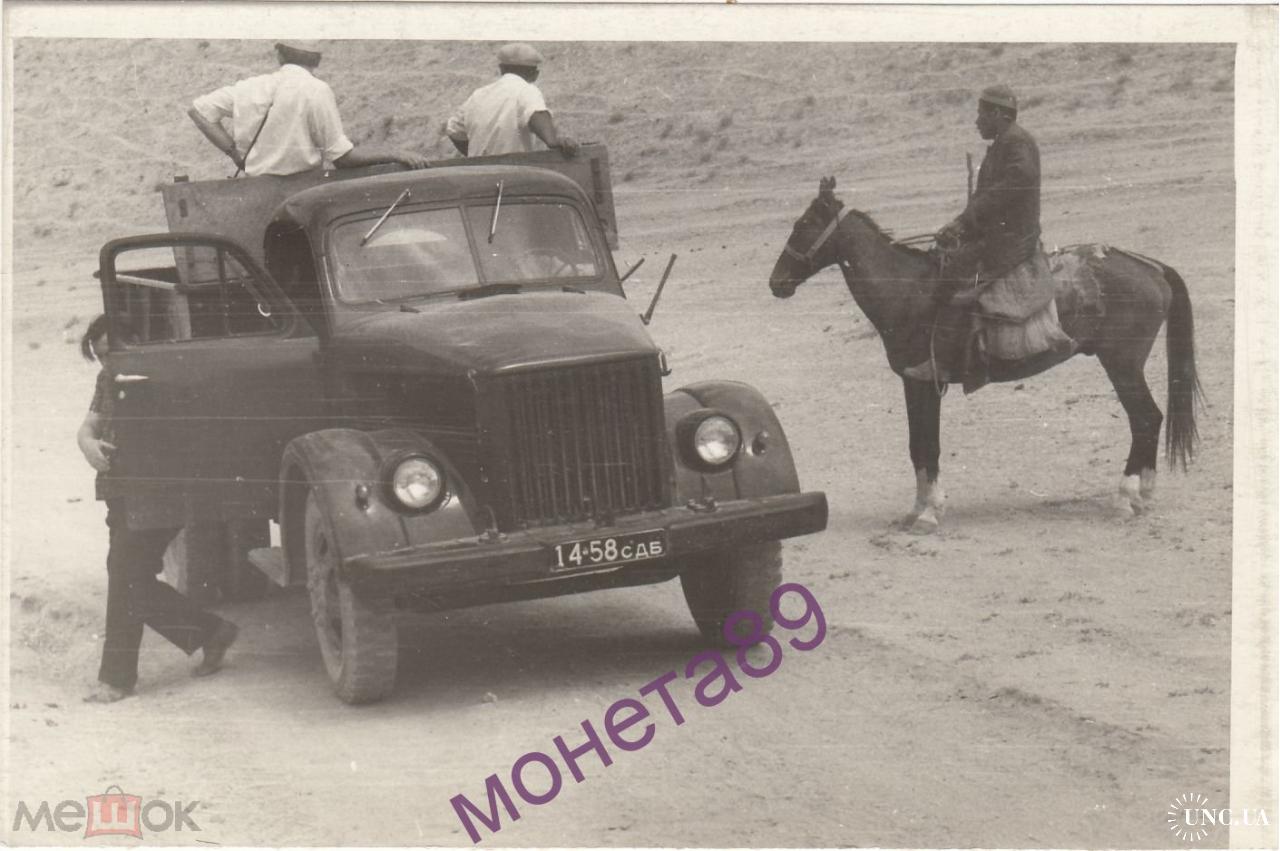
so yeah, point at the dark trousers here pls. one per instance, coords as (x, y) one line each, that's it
(953, 331)
(136, 597)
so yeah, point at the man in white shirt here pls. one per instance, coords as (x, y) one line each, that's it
(285, 122)
(505, 116)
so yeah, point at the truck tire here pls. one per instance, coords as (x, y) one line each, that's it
(358, 644)
(731, 580)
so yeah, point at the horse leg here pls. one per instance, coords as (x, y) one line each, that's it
(1138, 484)
(924, 409)
(915, 445)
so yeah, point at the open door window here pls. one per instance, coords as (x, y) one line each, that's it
(211, 376)
(171, 288)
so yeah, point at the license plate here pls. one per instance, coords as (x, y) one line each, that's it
(615, 549)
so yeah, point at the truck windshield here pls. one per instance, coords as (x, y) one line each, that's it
(412, 254)
(532, 242)
(425, 252)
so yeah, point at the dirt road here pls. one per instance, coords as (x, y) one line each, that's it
(1037, 674)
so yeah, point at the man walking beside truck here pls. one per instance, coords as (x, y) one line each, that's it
(286, 122)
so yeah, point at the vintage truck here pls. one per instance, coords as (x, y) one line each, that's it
(433, 385)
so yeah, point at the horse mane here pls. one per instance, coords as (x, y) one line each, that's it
(866, 219)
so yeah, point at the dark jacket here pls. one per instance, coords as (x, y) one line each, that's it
(1004, 212)
(103, 403)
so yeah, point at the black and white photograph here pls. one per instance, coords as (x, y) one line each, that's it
(625, 425)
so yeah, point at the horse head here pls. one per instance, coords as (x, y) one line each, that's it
(809, 248)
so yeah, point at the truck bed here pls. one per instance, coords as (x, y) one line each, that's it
(241, 208)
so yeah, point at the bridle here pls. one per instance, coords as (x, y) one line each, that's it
(806, 257)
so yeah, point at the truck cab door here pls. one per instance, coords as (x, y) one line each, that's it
(212, 372)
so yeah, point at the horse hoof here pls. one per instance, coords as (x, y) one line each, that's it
(1125, 509)
(1147, 485)
(924, 525)
(909, 520)
(1129, 499)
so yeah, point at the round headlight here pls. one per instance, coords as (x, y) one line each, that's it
(716, 440)
(417, 483)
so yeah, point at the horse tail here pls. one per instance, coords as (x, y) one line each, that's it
(1185, 393)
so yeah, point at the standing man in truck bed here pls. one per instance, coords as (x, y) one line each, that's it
(505, 116)
(285, 122)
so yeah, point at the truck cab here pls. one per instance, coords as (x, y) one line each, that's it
(432, 382)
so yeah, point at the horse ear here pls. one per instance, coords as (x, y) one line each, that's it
(826, 191)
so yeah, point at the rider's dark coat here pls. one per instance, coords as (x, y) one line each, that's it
(1004, 212)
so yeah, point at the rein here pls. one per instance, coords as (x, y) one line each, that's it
(806, 257)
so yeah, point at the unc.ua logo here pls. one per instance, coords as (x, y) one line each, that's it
(1183, 817)
(1190, 819)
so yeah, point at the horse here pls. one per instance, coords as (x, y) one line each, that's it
(1111, 302)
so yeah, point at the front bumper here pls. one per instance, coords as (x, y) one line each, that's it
(525, 556)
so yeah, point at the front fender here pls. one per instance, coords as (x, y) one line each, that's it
(764, 466)
(333, 464)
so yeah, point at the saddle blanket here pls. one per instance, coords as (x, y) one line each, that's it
(1018, 311)
(1016, 340)
(1022, 292)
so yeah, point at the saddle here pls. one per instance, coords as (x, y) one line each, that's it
(1078, 290)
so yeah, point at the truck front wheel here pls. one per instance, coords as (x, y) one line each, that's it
(358, 643)
(731, 580)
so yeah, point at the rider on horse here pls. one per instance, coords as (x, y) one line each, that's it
(992, 250)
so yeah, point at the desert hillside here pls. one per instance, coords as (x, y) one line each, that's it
(710, 120)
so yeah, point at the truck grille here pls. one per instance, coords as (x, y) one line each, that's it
(585, 441)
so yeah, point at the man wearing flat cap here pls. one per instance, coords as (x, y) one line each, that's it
(285, 122)
(505, 116)
(996, 241)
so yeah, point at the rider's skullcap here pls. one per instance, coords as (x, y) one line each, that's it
(1000, 95)
(519, 54)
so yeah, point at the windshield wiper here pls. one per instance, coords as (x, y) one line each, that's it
(488, 290)
(497, 205)
(378, 223)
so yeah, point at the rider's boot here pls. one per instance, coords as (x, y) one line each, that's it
(951, 332)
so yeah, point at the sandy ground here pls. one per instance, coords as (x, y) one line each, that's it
(1037, 674)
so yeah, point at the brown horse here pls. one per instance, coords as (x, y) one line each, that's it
(1111, 302)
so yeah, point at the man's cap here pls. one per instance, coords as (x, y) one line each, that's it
(301, 45)
(1000, 95)
(519, 53)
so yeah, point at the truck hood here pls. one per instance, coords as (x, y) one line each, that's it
(493, 334)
